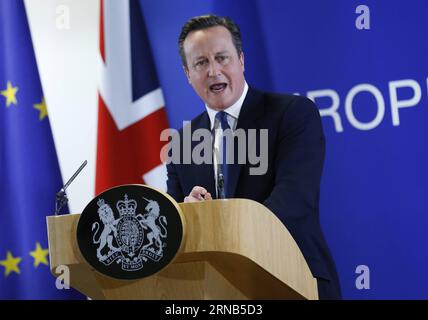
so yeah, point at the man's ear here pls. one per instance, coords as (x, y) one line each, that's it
(242, 60)
(186, 71)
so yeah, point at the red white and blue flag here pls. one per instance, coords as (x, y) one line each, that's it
(131, 112)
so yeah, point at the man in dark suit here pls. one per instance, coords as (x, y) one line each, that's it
(211, 51)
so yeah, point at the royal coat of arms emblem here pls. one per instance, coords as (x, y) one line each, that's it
(129, 232)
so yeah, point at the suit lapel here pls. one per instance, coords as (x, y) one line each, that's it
(252, 109)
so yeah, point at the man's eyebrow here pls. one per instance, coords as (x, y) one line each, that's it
(199, 58)
(217, 53)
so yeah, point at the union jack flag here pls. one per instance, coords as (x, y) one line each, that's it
(131, 112)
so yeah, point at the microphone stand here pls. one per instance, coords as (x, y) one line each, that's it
(61, 196)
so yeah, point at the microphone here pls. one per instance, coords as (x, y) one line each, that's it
(220, 185)
(61, 196)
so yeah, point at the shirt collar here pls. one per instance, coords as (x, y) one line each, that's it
(233, 110)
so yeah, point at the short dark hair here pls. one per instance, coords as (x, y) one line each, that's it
(208, 21)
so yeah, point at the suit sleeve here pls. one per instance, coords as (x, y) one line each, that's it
(173, 184)
(298, 164)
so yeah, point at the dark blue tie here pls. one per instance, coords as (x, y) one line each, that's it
(222, 174)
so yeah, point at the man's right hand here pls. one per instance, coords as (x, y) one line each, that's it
(198, 194)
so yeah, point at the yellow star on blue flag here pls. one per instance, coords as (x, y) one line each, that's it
(40, 255)
(42, 108)
(10, 264)
(10, 94)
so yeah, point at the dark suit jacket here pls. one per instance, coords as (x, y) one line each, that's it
(291, 186)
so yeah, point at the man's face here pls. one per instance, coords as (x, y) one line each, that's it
(214, 68)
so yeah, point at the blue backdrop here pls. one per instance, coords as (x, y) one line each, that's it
(373, 207)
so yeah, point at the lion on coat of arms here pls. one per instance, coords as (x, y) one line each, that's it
(106, 237)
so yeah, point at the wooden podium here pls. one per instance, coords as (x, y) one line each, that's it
(233, 249)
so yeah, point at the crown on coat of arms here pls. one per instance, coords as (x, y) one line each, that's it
(101, 202)
(126, 207)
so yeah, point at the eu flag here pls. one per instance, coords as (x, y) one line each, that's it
(29, 170)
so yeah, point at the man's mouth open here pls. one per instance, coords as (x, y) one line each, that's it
(218, 87)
